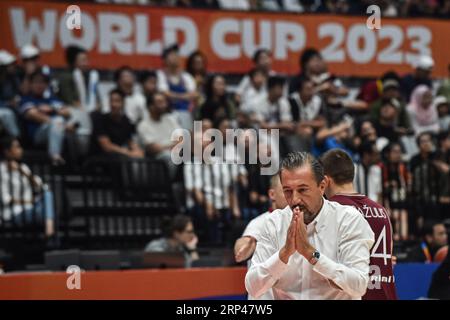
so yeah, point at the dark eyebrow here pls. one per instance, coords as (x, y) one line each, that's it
(299, 186)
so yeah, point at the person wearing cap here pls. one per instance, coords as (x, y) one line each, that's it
(178, 85)
(442, 105)
(9, 93)
(390, 92)
(30, 56)
(421, 75)
(46, 119)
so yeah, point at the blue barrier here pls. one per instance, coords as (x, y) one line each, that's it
(413, 279)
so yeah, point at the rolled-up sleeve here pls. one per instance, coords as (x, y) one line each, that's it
(266, 266)
(351, 271)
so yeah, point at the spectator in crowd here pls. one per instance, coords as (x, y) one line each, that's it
(235, 4)
(217, 104)
(440, 281)
(333, 92)
(337, 136)
(155, 132)
(442, 106)
(386, 124)
(262, 60)
(420, 76)
(246, 245)
(24, 197)
(113, 132)
(418, 8)
(372, 90)
(210, 190)
(78, 85)
(396, 185)
(47, 120)
(391, 91)
(178, 236)
(196, 66)
(311, 65)
(365, 131)
(334, 6)
(425, 181)
(78, 88)
(149, 83)
(443, 152)
(442, 162)
(135, 106)
(444, 88)
(307, 110)
(256, 93)
(230, 152)
(434, 238)
(9, 92)
(30, 56)
(258, 183)
(422, 112)
(178, 85)
(368, 173)
(274, 111)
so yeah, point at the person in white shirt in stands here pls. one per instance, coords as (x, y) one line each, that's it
(179, 86)
(368, 179)
(155, 131)
(256, 93)
(263, 61)
(314, 248)
(24, 198)
(135, 106)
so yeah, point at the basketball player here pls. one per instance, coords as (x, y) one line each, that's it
(339, 172)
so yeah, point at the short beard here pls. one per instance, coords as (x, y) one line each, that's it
(308, 216)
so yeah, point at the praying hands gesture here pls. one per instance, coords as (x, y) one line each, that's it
(296, 239)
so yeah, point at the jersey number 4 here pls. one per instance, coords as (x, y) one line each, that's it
(381, 240)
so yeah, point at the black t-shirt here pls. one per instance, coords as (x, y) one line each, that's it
(386, 131)
(119, 131)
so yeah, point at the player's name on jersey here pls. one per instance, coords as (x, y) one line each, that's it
(373, 212)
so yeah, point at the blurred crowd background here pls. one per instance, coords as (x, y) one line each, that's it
(85, 153)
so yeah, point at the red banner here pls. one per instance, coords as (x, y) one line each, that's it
(135, 35)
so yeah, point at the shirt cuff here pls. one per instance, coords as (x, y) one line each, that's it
(275, 266)
(325, 267)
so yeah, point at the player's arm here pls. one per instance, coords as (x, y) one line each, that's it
(351, 273)
(244, 248)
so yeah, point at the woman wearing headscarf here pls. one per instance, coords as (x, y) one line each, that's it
(423, 114)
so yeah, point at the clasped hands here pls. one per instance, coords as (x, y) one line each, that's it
(297, 238)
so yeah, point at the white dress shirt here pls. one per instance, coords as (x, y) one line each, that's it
(341, 235)
(254, 229)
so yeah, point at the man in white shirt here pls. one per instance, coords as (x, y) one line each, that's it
(135, 108)
(155, 131)
(312, 249)
(263, 61)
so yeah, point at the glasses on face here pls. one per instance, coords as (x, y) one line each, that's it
(189, 231)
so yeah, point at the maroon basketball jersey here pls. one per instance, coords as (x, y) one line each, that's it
(381, 276)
